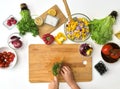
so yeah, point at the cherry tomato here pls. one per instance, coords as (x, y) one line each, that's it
(1, 65)
(4, 52)
(6, 58)
(6, 64)
(0, 54)
(106, 49)
(9, 53)
(10, 59)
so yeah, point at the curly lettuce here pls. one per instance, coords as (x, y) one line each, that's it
(102, 29)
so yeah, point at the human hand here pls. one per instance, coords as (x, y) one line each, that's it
(67, 74)
(54, 84)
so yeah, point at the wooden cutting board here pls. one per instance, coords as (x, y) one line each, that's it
(40, 57)
(45, 28)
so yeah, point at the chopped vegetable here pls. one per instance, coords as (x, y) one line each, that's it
(77, 29)
(60, 38)
(48, 38)
(101, 29)
(26, 24)
(86, 49)
(56, 68)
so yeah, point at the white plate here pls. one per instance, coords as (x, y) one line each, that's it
(12, 64)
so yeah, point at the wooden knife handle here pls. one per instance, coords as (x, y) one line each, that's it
(67, 9)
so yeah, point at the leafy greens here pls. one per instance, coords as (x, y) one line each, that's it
(101, 29)
(26, 24)
(56, 68)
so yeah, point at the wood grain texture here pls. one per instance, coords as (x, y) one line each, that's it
(45, 28)
(40, 57)
(67, 10)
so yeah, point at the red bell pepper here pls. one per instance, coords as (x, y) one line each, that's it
(48, 38)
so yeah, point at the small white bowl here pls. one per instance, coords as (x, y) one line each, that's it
(10, 40)
(90, 48)
(12, 24)
(12, 64)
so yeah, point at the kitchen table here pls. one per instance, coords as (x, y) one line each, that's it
(18, 77)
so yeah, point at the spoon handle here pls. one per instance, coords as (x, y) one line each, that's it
(67, 9)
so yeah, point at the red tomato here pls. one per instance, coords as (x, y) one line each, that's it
(6, 58)
(1, 65)
(9, 53)
(4, 52)
(106, 49)
(10, 59)
(0, 53)
(6, 64)
(115, 53)
(114, 56)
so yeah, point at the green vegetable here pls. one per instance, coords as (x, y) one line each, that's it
(56, 68)
(26, 24)
(101, 29)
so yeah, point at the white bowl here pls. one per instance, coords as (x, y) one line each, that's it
(86, 50)
(10, 40)
(12, 64)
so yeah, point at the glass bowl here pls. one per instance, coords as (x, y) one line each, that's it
(77, 29)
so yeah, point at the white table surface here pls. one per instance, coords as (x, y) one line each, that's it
(18, 77)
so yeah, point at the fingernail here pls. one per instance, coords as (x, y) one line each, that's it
(55, 78)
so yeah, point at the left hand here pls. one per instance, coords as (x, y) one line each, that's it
(54, 84)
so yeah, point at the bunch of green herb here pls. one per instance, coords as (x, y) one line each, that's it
(56, 68)
(101, 29)
(26, 24)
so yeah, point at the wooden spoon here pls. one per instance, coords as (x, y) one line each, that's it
(67, 10)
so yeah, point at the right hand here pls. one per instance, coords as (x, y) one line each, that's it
(69, 78)
(67, 75)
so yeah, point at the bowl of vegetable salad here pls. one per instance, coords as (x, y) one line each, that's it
(77, 29)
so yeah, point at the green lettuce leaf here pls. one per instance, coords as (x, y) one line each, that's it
(101, 29)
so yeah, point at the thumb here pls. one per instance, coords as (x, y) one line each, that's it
(55, 78)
